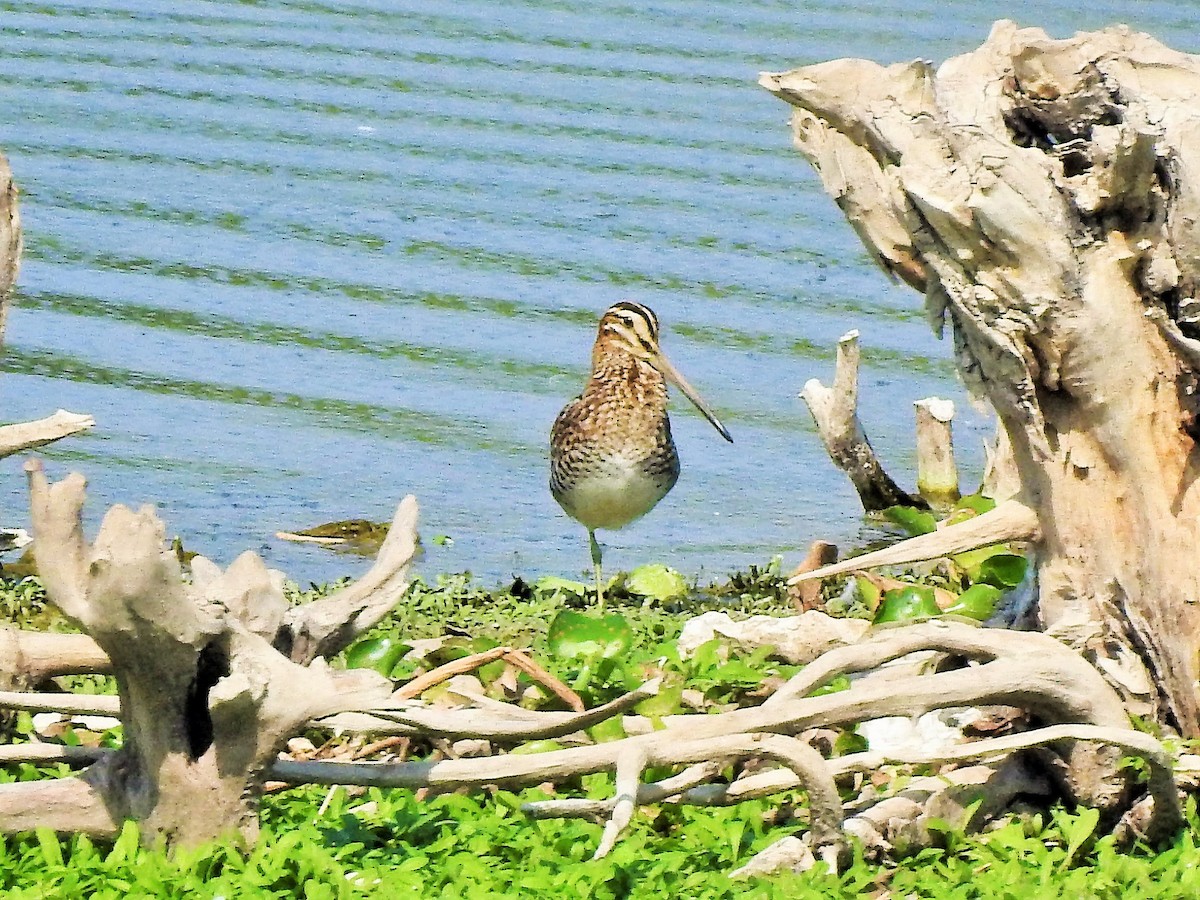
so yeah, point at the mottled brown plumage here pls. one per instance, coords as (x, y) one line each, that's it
(611, 453)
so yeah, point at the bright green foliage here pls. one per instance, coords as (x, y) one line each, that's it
(576, 635)
(657, 582)
(911, 518)
(916, 601)
(976, 602)
(380, 654)
(386, 844)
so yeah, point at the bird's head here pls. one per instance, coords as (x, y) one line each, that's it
(632, 328)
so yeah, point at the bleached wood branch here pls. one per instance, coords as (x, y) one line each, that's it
(937, 474)
(35, 655)
(26, 435)
(1009, 521)
(498, 724)
(1032, 671)
(73, 704)
(328, 625)
(835, 412)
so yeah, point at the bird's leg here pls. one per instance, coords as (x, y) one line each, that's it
(596, 568)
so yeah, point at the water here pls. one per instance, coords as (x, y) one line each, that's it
(300, 259)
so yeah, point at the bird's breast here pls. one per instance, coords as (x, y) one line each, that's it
(614, 490)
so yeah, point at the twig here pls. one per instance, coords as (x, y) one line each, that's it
(1010, 521)
(533, 670)
(419, 685)
(629, 766)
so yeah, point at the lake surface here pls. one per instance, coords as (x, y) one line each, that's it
(300, 259)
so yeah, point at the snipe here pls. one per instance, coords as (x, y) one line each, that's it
(611, 453)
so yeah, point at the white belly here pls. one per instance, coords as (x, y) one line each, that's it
(614, 495)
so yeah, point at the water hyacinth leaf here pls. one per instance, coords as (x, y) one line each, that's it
(380, 654)
(970, 561)
(913, 520)
(577, 635)
(913, 602)
(976, 503)
(657, 581)
(1004, 570)
(976, 602)
(869, 591)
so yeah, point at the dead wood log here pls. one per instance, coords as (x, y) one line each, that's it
(835, 413)
(937, 474)
(1042, 194)
(10, 239)
(27, 435)
(1033, 671)
(32, 656)
(206, 699)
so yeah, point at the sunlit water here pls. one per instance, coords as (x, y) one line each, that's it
(300, 259)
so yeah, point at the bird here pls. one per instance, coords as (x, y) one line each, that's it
(612, 458)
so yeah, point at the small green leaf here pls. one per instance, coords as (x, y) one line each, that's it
(869, 591)
(608, 730)
(380, 654)
(51, 849)
(577, 635)
(667, 701)
(977, 602)
(976, 503)
(1004, 570)
(849, 742)
(1078, 829)
(913, 520)
(657, 581)
(913, 602)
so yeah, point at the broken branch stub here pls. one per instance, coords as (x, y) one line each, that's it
(206, 700)
(835, 413)
(10, 239)
(1043, 194)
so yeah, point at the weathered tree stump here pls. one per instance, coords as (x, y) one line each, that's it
(213, 676)
(1043, 194)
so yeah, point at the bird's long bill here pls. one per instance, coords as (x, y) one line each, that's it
(672, 375)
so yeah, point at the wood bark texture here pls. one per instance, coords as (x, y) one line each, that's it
(209, 685)
(835, 413)
(1043, 194)
(10, 240)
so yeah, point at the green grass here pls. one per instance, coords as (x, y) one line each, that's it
(388, 843)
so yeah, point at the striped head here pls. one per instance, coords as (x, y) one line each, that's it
(628, 327)
(632, 329)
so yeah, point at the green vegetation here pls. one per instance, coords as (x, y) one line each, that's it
(350, 843)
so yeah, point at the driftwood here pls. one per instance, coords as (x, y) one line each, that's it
(213, 677)
(208, 694)
(835, 413)
(937, 474)
(1043, 194)
(1083, 715)
(27, 435)
(10, 239)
